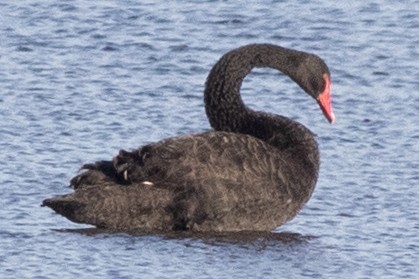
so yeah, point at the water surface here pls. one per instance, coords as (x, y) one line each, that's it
(80, 80)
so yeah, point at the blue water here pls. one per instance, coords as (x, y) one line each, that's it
(82, 79)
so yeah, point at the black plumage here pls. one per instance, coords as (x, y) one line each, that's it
(255, 171)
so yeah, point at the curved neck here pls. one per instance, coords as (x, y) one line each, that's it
(225, 108)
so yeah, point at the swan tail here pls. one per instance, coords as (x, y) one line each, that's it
(137, 207)
(66, 206)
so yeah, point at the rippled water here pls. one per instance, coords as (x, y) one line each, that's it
(81, 79)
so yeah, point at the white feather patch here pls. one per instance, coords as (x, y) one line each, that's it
(147, 183)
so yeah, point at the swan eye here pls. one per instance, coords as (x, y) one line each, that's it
(315, 85)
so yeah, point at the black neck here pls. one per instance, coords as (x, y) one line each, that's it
(225, 108)
(227, 112)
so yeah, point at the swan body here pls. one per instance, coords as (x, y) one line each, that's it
(253, 172)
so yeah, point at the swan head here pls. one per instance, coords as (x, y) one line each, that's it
(313, 76)
(324, 99)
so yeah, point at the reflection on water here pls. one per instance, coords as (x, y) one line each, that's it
(236, 238)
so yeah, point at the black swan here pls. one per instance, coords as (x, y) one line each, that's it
(254, 172)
